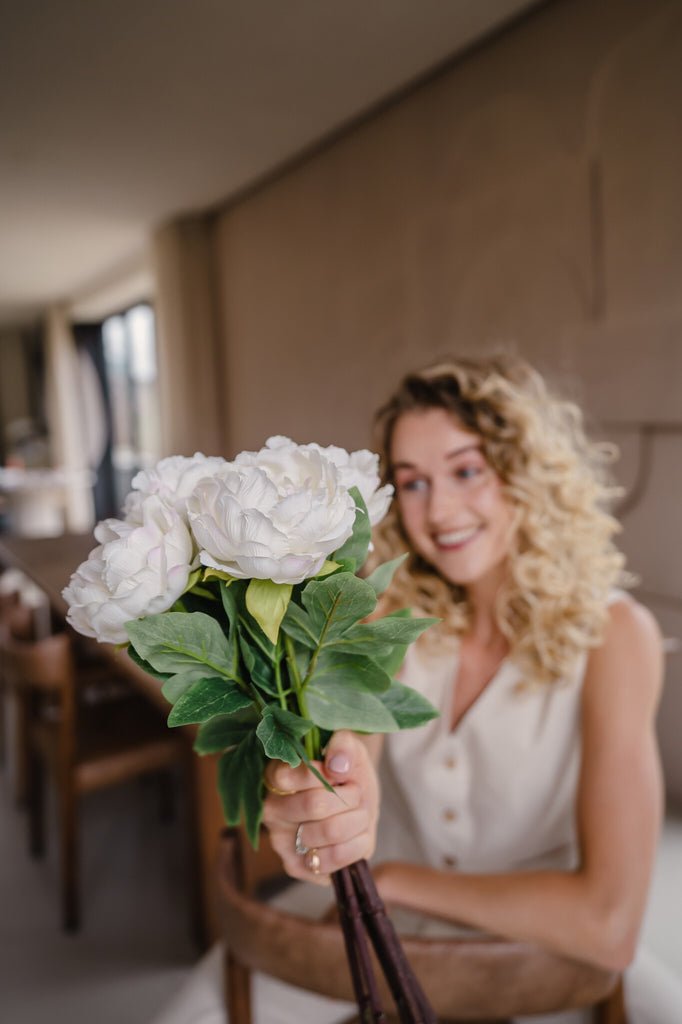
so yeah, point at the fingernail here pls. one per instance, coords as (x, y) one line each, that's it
(339, 764)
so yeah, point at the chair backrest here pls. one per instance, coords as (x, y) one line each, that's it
(465, 979)
(45, 665)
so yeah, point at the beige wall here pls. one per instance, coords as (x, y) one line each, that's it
(530, 197)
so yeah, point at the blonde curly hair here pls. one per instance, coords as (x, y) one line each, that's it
(562, 561)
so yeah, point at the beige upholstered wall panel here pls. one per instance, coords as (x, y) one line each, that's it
(528, 197)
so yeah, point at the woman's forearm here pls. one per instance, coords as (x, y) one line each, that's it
(560, 910)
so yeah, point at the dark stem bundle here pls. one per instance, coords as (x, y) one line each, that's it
(363, 915)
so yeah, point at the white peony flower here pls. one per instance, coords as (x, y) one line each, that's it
(274, 514)
(172, 479)
(137, 570)
(356, 469)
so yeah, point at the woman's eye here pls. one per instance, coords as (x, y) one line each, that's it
(468, 472)
(411, 485)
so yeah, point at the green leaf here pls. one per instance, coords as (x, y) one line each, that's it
(355, 548)
(392, 629)
(240, 784)
(392, 658)
(354, 671)
(407, 706)
(311, 767)
(193, 579)
(259, 668)
(334, 705)
(175, 686)
(383, 574)
(298, 625)
(207, 698)
(225, 731)
(267, 602)
(279, 731)
(228, 595)
(174, 641)
(217, 574)
(327, 568)
(337, 603)
(145, 666)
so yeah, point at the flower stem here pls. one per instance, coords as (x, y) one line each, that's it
(278, 673)
(312, 738)
(411, 1002)
(357, 950)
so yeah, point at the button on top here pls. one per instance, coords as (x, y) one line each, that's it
(451, 761)
(450, 862)
(449, 814)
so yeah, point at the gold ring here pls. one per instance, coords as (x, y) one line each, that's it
(299, 845)
(277, 792)
(313, 861)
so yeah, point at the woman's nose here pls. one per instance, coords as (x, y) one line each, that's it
(443, 503)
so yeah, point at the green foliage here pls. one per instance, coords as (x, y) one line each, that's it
(205, 699)
(336, 603)
(267, 602)
(270, 671)
(355, 549)
(408, 707)
(298, 625)
(225, 731)
(351, 670)
(380, 579)
(259, 668)
(175, 641)
(340, 705)
(280, 731)
(240, 785)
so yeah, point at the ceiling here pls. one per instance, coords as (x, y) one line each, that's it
(116, 115)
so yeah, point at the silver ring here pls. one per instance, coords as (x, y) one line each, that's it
(299, 845)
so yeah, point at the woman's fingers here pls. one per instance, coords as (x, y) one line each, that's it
(318, 862)
(335, 828)
(310, 805)
(282, 780)
(333, 831)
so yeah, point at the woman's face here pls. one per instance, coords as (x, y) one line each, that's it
(451, 501)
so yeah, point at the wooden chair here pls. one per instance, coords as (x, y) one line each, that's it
(487, 980)
(8, 602)
(85, 744)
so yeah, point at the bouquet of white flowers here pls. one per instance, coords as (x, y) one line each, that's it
(234, 583)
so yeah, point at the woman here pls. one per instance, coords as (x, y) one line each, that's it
(531, 808)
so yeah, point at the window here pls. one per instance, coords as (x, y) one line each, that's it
(129, 346)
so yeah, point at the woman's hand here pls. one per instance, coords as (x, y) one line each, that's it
(334, 829)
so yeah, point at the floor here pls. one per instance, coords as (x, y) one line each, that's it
(135, 948)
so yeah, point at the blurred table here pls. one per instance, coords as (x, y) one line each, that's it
(49, 563)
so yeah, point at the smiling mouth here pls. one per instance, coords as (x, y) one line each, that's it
(455, 539)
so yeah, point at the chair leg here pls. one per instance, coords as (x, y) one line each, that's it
(165, 784)
(3, 721)
(612, 1009)
(199, 924)
(237, 991)
(68, 851)
(21, 769)
(36, 804)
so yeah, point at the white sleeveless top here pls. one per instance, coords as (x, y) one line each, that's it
(498, 792)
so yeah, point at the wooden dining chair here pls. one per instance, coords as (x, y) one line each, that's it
(8, 602)
(484, 980)
(83, 744)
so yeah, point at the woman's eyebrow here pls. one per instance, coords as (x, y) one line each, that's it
(449, 455)
(476, 447)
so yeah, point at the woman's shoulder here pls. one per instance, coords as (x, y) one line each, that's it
(629, 619)
(630, 656)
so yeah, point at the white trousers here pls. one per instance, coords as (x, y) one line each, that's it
(653, 996)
